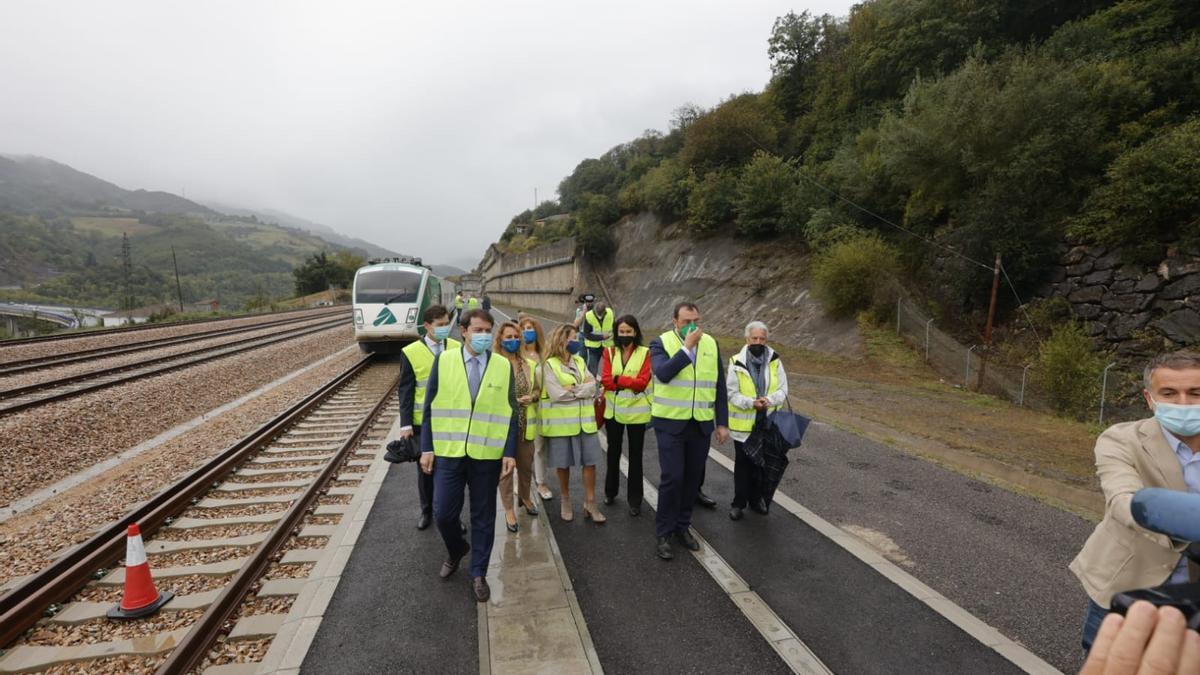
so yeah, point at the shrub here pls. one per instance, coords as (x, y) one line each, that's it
(760, 194)
(731, 133)
(710, 200)
(1069, 370)
(664, 190)
(855, 274)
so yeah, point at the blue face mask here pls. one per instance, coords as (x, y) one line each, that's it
(440, 333)
(1181, 420)
(530, 336)
(573, 346)
(480, 342)
(511, 346)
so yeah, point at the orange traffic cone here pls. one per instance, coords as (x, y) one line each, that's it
(141, 598)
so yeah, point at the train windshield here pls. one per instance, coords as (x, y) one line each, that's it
(379, 286)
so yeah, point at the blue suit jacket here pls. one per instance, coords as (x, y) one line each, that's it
(667, 367)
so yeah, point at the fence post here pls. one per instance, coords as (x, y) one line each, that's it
(898, 300)
(927, 340)
(1024, 372)
(967, 377)
(1104, 390)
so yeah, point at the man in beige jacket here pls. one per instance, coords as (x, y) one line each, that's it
(1162, 451)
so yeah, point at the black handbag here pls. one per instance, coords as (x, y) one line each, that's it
(402, 450)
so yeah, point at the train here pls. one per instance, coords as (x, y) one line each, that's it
(390, 295)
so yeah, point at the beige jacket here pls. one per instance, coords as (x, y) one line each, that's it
(1120, 555)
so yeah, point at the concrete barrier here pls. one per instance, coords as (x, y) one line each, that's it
(546, 278)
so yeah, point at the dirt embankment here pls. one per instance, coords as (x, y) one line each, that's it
(732, 281)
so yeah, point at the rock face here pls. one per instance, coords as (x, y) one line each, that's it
(1136, 311)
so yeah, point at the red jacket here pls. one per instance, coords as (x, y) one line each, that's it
(638, 383)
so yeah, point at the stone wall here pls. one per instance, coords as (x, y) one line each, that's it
(547, 278)
(1135, 310)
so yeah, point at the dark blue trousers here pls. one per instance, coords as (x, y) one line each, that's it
(681, 457)
(452, 478)
(424, 480)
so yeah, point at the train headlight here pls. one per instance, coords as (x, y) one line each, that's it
(412, 315)
(358, 320)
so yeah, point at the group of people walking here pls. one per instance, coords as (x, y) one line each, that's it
(511, 402)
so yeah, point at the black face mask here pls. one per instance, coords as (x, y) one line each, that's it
(623, 340)
(758, 350)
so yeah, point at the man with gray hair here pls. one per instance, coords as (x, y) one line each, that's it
(1161, 451)
(757, 386)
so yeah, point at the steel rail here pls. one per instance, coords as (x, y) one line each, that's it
(246, 345)
(215, 621)
(24, 605)
(38, 362)
(101, 332)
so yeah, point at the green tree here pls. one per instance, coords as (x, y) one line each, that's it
(711, 200)
(731, 133)
(855, 274)
(761, 189)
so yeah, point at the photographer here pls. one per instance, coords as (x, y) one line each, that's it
(1159, 451)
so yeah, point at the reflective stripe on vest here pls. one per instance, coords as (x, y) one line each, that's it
(598, 326)
(421, 359)
(626, 406)
(692, 394)
(566, 418)
(742, 419)
(460, 429)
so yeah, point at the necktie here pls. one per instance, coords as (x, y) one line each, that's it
(474, 376)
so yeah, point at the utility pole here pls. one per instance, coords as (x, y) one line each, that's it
(535, 202)
(178, 287)
(127, 266)
(987, 331)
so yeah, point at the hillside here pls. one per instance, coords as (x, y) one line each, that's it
(62, 230)
(288, 220)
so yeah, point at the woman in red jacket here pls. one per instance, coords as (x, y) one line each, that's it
(625, 374)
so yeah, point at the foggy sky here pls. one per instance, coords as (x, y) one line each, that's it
(422, 127)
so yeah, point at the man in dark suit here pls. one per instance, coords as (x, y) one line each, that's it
(690, 402)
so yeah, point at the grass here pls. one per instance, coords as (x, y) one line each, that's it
(113, 227)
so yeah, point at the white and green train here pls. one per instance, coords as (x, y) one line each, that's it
(390, 296)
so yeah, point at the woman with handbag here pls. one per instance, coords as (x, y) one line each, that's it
(757, 386)
(625, 374)
(568, 418)
(508, 344)
(532, 349)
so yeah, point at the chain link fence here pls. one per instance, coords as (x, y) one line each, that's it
(975, 367)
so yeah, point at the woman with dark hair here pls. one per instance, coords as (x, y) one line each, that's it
(625, 374)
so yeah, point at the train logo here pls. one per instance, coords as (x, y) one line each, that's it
(385, 318)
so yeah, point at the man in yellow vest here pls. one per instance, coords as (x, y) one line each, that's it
(689, 403)
(416, 362)
(458, 308)
(468, 441)
(597, 334)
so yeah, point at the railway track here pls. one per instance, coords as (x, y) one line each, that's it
(37, 363)
(233, 538)
(28, 396)
(122, 330)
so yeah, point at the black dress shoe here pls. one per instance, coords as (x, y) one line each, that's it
(451, 564)
(482, 590)
(735, 513)
(759, 506)
(608, 501)
(531, 510)
(688, 541)
(664, 548)
(704, 500)
(424, 521)
(635, 511)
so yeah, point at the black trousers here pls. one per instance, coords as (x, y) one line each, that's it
(612, 477)
(747, 478)
(424, 480)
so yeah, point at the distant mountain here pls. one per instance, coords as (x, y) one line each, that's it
(288, 220)
(447, 270)
(30, 184)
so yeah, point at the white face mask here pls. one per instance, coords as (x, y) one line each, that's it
(1181, 420)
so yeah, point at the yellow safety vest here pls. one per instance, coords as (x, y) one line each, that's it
(692, 394)
(461, 429)
(421, 359)
(567, 418)
(472, 304)
(531, 410)
(458, 302)
(598, 326)
(742, 419)
(628, 406)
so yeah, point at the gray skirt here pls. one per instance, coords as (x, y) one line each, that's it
(564, 452)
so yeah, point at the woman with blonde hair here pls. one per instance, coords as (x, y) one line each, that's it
(507, 343)
(568, 418)
(532, 349)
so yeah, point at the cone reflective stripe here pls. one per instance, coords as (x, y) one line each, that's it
(140, 598)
